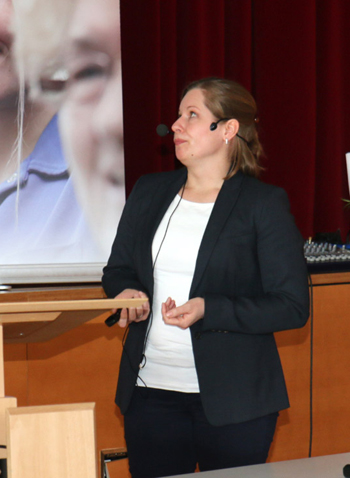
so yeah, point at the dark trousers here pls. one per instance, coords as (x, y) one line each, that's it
(167, 434)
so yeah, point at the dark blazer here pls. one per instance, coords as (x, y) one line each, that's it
(251, 272)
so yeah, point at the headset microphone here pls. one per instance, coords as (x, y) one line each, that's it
(213, 126)
(163, 130)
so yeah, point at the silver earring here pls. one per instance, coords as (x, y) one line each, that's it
(226, 140)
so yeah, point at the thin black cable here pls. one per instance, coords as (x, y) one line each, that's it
(167, 227)
(144, 359)
(129, 360)
(311, 361)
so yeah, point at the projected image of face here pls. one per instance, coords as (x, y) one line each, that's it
(91, 117)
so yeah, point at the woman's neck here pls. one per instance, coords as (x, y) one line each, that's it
(203, 186)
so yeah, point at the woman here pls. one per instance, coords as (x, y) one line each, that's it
(220, 259)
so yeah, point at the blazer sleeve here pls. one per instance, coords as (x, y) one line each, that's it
(283, 302)
(120, 271)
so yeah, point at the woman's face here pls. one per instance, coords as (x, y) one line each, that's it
(8, 74)
(91, 118)
(192, 135)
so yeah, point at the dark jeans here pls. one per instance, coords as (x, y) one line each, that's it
(167, 434)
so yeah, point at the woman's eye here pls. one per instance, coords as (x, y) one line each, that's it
(193, 114)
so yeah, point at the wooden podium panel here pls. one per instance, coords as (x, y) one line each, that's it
(39, 321)
(39, 317)
(52, 441)
(5, 403)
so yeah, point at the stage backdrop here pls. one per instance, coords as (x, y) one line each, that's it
(291, 54)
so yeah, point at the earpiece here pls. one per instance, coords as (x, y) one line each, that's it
(214, 125)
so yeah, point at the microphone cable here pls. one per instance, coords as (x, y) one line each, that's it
(153, 266)
(143, 357)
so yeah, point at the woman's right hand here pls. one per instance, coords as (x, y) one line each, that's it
(133, 314)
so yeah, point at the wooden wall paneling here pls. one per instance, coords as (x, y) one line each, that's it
(16, 372)
(291, 440)
(331, 369)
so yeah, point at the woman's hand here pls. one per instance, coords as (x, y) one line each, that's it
(185, 315)
(134, 314)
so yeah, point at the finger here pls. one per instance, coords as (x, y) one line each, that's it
(168, 301)
(177, 312)
(163, 309)
(123, 322)
(124, 314)
(169, 304)
(178, 322)
(139, 312)
(142, 295)
(132, 314)
(126, 294)
(145, 306)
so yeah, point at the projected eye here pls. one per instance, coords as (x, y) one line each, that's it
(82, 78)
(52, 85)
(4, 50)
(88, 77)
(89, 72)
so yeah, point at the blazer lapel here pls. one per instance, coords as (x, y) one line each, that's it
(223, 207)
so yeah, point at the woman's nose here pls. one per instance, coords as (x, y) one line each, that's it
(177, 126)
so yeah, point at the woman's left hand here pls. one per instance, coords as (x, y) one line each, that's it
(185, 315)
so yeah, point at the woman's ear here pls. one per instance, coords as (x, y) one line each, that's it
(231, 129)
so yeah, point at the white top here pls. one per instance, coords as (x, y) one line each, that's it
(169, 355)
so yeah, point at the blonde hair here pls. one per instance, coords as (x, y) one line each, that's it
(228, 99)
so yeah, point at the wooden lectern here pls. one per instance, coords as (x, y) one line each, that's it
(25, 433)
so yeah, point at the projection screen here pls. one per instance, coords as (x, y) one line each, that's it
(62, 183)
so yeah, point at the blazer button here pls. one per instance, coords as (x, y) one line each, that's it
(198, 335)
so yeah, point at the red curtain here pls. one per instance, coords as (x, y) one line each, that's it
(291, 54)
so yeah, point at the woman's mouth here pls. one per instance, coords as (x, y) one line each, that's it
(179, 141)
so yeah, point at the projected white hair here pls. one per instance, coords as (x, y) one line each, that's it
(39, 28)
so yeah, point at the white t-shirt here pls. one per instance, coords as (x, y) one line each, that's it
(169, 355)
